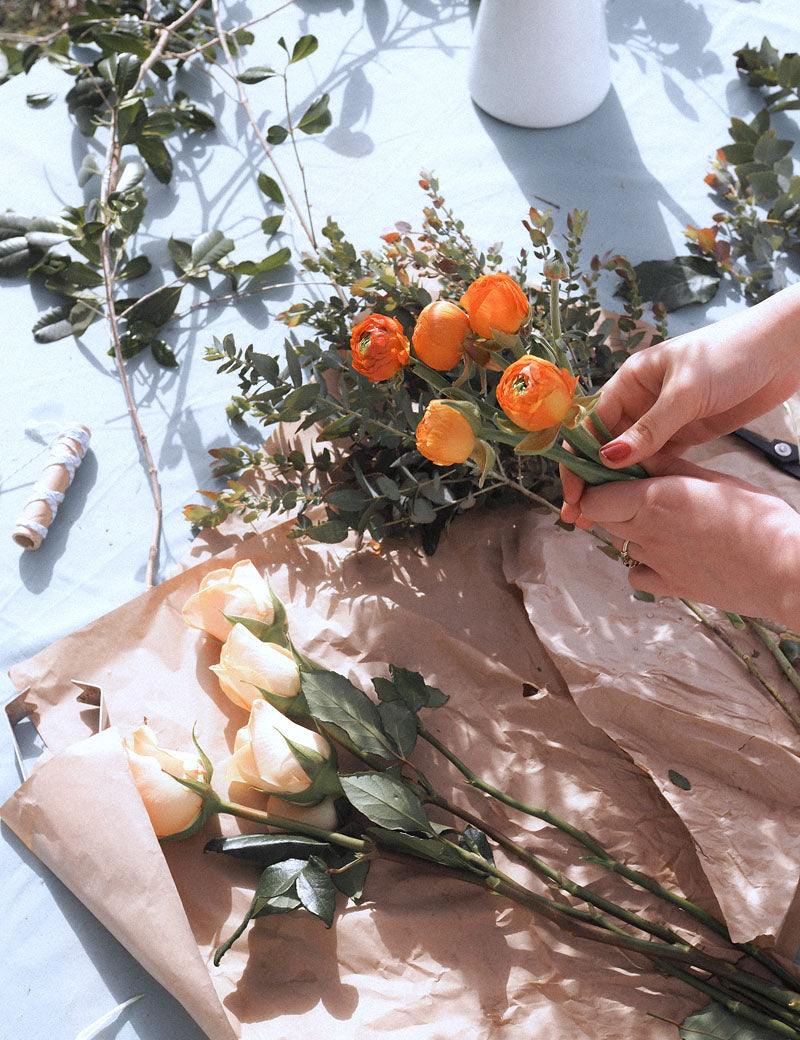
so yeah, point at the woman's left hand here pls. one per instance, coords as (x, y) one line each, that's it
(704, 536)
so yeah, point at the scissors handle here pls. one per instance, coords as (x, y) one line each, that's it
(783, 454)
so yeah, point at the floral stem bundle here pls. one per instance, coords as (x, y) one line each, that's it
(342, 789)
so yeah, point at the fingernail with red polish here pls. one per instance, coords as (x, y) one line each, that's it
(616, 451)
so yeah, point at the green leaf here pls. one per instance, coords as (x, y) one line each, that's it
(334, 700)
(158, 308)
(82, 315)
(317, 116)
(277, 134)
(269, 187)
(163, 354)
(136, 267)
(329, 531)
(386, 801)
(89, 169)
(423, 848)
(267, 849)
(256, 74)
(677, 282)
(316, 891)
(715, 1021)
(770, 148)
(128, 67)
(269, 225)
(347, 499)
(53, 325)
(789, 71)
(679, 780)
(15, 256)
(181, 253)
(305, 45)
(209, 249)
(131, 174)
(738, 152)
(413, 689)
(132, 121)
(352, 880)
(475, 840)
(400, 722)
(39, 100)
(269, 263)
(155, 154)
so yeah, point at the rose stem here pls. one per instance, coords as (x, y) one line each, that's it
(772, 645)
(294, 826)
(610, 934)
(747, 661)
(782, 998)
(605, 858)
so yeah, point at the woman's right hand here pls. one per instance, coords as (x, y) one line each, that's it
(696, 387)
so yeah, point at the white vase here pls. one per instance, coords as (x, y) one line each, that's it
(539, 63)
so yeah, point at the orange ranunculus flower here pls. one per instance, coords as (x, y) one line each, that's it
(440, 333)
(495, 301)
(535, 394)
(445, 434)
(379, 347)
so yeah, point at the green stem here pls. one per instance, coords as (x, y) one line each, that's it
(747, 660)
(773, 646)
(591, 472)
(606, 860)
(244, 812)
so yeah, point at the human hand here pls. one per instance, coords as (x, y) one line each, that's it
(696, 387)
(704, 536)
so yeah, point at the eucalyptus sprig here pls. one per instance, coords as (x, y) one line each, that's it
(373, 481)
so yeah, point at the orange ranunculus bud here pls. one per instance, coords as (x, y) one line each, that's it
(379, 347)
(440, 334)
(535, 394)
(495, 301)
(445, 435)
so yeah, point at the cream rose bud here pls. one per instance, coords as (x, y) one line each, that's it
(170, 806)
(246, 663)
(239, 591)
(263, 759)
(321, 815)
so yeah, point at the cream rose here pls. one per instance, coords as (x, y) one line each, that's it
(171, 806)
(246, 663)
(263, 759)
(239, 591)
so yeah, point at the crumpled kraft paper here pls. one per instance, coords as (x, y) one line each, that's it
(423, 957)
(652, 678)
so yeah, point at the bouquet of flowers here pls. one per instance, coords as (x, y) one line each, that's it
(436, 381)
(339, 788)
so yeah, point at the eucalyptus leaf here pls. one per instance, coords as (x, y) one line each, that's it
(277, 134)
(15, 256)
(677, 282)
(387, 801)
(39, 100)
(155, 154)
(131, 174)
(269, 263)
(181, 253)
(329, 531)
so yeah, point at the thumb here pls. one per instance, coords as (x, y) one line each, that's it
(646, 436)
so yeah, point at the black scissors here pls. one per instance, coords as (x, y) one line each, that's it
(782, 454)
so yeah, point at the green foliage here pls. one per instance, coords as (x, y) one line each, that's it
(755, 234)
(373, 481)
(120, 94)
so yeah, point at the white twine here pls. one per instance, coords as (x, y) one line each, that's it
(62, 453)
